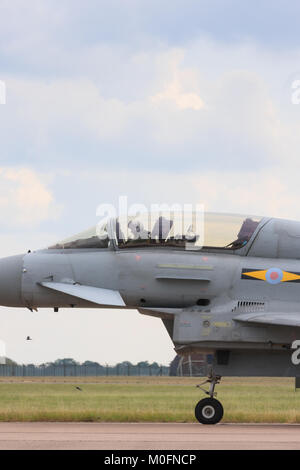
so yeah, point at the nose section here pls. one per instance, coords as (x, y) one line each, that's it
(11, 281)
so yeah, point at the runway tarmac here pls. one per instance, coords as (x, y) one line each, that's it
(147, 436)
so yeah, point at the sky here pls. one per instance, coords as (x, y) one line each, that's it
(164, 102)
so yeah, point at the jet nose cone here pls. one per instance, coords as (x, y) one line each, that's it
(11, 281)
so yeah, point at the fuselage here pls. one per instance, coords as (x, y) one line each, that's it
(196, 291)
(145, 278)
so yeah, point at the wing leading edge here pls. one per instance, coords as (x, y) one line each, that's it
(96, 295)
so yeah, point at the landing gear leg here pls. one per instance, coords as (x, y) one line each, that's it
(209, 410)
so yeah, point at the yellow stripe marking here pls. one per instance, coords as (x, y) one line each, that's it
(289, 276)
(257, 274)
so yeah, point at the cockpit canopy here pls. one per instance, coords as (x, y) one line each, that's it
(191, 231)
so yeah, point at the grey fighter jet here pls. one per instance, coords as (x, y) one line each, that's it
(229, 298)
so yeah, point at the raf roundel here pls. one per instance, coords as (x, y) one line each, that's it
(274, 275)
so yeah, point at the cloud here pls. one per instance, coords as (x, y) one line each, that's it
(141, 25)
(174, 91)
(261, 193)
(218, 110)
(24, 198)
(181, 119)
(182, 100)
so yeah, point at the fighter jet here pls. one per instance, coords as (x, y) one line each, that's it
(229, 297)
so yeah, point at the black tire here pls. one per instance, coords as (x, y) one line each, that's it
(209, 411)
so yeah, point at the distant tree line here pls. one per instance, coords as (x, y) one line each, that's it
(70, 367)
(68, 361)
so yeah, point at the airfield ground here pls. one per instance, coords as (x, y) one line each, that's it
(144, 399)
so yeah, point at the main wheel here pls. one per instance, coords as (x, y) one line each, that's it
(209, 411)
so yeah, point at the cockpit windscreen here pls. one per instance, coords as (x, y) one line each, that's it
(190, 231)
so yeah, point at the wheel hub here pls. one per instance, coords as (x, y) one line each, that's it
(208, 411)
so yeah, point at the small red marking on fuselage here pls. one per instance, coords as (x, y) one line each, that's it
(274, 275)
(138, 257)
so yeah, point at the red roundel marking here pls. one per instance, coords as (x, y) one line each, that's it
(274, 275)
